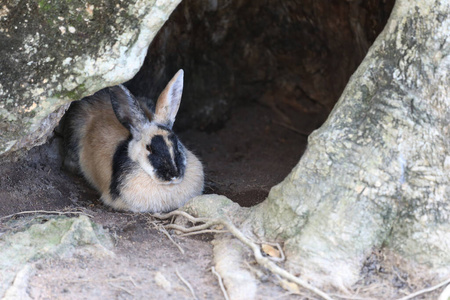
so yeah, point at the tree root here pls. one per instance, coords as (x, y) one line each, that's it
(229, 260)
(260, 259)
(222, 287)
(187, 284)
(46, 212)
(427, 290)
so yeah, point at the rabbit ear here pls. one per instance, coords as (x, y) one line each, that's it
(169, 101)
(127, 110)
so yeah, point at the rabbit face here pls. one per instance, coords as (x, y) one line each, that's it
(152, 143)
(160, 154)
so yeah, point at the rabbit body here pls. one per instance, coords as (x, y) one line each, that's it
(136, 163)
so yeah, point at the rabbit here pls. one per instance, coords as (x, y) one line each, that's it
(129, 153)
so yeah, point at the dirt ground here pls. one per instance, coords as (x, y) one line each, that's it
(243, 160)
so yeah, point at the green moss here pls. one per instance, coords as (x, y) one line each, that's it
(73, 95)
(44, 5)
(77, 93)
(50, 40)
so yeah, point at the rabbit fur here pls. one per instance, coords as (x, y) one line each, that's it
(129, 153)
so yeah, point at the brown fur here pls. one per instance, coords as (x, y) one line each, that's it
(97, 132)
(103, 134)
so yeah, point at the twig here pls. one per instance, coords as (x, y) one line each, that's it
(222, 287)
(186, 283)
(400, 277)
(203, 231)
(183, 214)
(427, 290)
(132, 281)
(350, 297)
(263, 261)
(163, 230)
(109, 281)
(193, 228)
(121, 288)
(287, 294)
(45, 212)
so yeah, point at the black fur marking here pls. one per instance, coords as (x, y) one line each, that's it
(161, 160)
(121, 167)
(163, 127)
(180, 159)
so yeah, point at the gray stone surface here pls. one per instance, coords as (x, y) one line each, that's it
(53, 52)
(45, 237)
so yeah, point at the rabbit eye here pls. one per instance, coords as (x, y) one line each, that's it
(148, 148)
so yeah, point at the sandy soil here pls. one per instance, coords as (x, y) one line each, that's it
(243, 160)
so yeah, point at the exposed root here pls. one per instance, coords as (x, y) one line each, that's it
(207, 223)
(187, 284)
(161, 227)
(191, 229)
(229, 259)
(176, 213)
(427, 290)
(46, 212)
(222, 287)
(164, 230)
(204, 231)
(260, 259)
(268, 264)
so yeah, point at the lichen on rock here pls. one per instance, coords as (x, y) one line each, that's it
(45, 237)
(53, 52)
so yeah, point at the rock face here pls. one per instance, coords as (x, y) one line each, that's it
(53, 52)
(293, 56)
(43, 237)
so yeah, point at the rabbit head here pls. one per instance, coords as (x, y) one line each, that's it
(152, 144)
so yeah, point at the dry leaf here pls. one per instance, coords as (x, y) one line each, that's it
(271, 251)
(219, 227)
(289, 286)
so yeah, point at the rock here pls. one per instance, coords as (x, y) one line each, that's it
(46, 237)
(18, 289)
(295, 57)
(53, 52)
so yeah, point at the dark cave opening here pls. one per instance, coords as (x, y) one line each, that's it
(259, 77)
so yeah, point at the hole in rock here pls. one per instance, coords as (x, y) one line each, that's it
(259, 77)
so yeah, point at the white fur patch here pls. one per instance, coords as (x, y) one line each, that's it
(142, 194)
